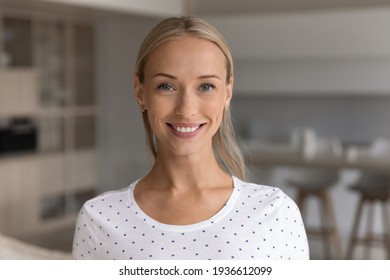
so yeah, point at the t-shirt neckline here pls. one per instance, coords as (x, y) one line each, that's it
(140, 214)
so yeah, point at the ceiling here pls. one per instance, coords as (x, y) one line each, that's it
(194, 7)
(232, 7)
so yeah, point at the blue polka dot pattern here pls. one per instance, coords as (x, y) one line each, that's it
(257, 222)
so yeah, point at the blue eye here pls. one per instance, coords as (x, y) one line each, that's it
(207, 87)
(165, 87)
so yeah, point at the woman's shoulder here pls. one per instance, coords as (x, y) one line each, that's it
(262, 189)
(109, 197)
(264, 193)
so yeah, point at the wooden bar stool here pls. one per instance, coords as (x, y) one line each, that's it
(317, 184)
(373, 189)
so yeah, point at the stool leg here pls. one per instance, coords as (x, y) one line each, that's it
(355, 229)
(386, 228)
(368, 238)
(333, 235)
(301, 197)
(324, 224)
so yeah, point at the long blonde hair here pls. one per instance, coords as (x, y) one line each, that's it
(224, 142)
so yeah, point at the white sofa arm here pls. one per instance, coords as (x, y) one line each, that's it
(13, 249)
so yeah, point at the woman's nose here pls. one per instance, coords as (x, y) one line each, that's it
(186, 105)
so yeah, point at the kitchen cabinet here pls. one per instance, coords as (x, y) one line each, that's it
(47, 76)
(18, 92)
(18, 183)
(40, 193)
(17, 40)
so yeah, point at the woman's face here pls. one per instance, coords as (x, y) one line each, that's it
(185, 93)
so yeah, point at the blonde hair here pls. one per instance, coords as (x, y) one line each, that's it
(224, 142)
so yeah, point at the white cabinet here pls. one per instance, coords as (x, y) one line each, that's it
(35, 197)
(51, 174)
(65, 181)
(82, 170)
(18, 92)
(18, 184)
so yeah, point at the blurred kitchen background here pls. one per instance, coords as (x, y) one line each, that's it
(311, 106)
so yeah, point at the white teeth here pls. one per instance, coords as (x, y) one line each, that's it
(185, 129)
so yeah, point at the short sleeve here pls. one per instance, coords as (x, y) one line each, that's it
(293, 243)
(84, 241)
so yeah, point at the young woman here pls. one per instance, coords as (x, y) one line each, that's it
(194, 202)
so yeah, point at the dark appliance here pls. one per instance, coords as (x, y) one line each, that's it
(18, 135)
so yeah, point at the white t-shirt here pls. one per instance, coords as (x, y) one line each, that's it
(257, 222)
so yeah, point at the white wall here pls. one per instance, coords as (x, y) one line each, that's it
(332, 76)
(344, 33)
(344, 51)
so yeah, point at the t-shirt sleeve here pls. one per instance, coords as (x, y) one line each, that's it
(84, 241)
(293, 243)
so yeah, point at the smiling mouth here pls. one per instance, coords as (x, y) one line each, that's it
(185, 129)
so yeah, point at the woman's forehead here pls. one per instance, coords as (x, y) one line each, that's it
(187, 53)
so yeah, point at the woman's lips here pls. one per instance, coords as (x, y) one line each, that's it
(185, 130)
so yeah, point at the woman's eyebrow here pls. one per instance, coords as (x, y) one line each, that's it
(165, 75)
(211, 76)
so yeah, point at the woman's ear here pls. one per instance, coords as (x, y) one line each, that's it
(139, 93)
(229, 92)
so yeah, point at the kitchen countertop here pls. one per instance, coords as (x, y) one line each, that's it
(284, 155)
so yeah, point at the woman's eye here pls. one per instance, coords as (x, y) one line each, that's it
(207, 87)
(165, 87)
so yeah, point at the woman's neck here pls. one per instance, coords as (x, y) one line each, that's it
(182, 173)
